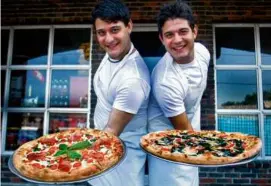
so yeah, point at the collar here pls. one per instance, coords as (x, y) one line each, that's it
(117, 61)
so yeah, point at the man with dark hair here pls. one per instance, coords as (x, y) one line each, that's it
(178, 82)
(122, 86)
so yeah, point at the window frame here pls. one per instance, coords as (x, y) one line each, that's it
(49, 67)
(258, 67)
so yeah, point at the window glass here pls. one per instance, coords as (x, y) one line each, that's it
(69, 88)
(3, 81)
(23, 127)
(267, 136)
(27, 88)
(59, 122)
(71, 46)
(149, 47)
(4, 46)
(247, 124)
(235, 46)
(235, 90)
(30, 47)
(266, 89)
(265, 45)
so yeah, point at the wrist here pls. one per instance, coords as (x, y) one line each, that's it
(111, 130)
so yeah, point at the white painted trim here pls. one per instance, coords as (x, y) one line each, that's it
(229, 25)
(145, 28)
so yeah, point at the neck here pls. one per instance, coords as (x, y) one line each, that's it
(124, 53)
(185, 60)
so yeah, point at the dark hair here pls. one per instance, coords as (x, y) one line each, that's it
(173, 11)
(111, 11)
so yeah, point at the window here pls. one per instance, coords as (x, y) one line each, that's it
(242, 62)
(45, 75)
(146, 41)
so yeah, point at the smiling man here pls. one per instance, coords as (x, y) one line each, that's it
(122, 86)
(178, 82)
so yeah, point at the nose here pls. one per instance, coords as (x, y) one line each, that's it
(108, 38)
(178, 38)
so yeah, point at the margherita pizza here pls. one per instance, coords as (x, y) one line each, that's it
(201, 147)
(69, 155)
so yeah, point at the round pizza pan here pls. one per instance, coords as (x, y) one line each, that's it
(204, 165)
(16, 172)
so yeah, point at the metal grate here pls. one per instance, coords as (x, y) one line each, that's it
(247, 124)
(267, 135)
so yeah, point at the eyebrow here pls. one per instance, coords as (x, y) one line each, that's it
(115, 26)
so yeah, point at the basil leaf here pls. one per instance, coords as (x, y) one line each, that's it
(36, 149)
(80, 145)
(60, 152)
(63, 147)
(74, 155)
(92, 140)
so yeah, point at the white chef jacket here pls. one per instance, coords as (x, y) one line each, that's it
(176, 88)
(127, 89)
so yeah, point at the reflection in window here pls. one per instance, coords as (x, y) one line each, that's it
(71, 46)
(59, 122)
(235, 90)
(149, 47)
(265, 45)
(4, 46)
(266, 89)
(3, 81)
(267, 136)
(27, 88)
(23, 127)
(229, 49)
(247, 124)
(30, 47)
(69, 88)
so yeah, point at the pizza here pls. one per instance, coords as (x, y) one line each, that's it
(69, 155)
(201, 147)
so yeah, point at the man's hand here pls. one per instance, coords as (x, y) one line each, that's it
(181, 122)
(117, 121)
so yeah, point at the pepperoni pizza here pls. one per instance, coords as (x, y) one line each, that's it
(69, 155)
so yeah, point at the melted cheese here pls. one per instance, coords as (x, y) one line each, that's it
(190, 151)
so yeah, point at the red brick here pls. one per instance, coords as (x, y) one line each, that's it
(207, 180)
(259, 180)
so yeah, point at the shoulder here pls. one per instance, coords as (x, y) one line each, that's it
(163, 69)
(202, 53)
(135, 67)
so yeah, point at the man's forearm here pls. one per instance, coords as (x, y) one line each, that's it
(118, 121)
(181, 122)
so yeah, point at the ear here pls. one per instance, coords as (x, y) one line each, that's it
(130, 26)
(161, 38)
(195, 31)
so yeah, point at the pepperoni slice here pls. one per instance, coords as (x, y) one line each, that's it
(48, 141)
(37, 165)
(77, 164)
(64, 165)
(77, 137)
(97, 155)
(36, 156)
(53, 167)
(106, 143)
(89, 160)
(52, 150)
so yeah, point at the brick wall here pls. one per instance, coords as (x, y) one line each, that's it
(44, 12)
